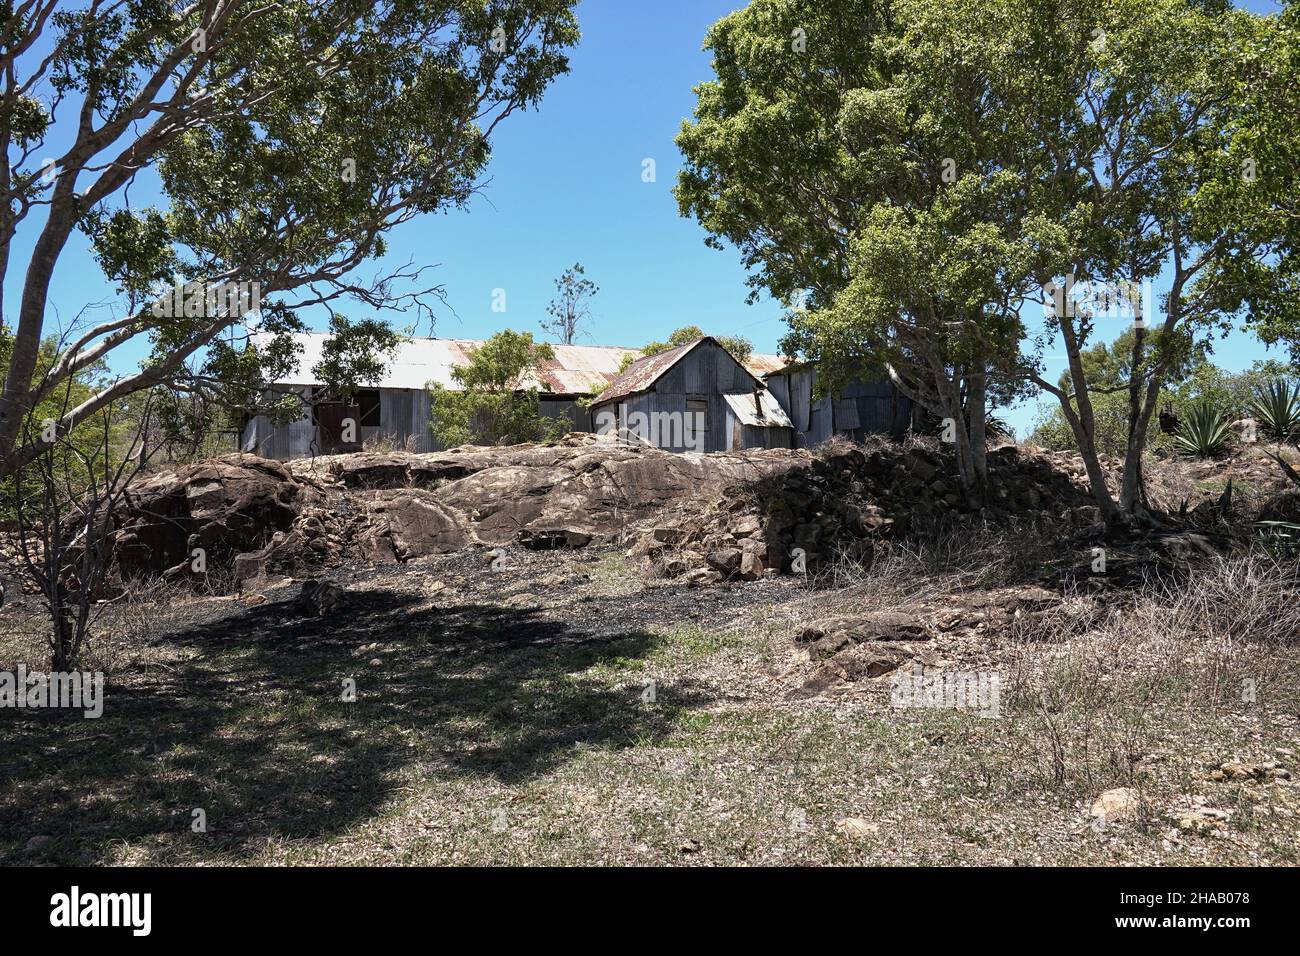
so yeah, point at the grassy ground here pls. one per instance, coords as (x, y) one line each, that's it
(568, 712)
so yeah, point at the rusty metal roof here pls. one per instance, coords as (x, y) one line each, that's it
(761, 363)
(645, 371)
(575, 370)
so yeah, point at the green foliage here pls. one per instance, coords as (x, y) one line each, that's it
(495, 400)
(1277, 407)
(1203, 432)
(1232, 391)
(134, 250)
(998, 428)
(354, 355)
(293, 136)
(1111, 415)
(1261, 188)
(84, 443)
(740, 348)
(28, 120)
(918, 177)
(1279, 538)
(994, 426)
(840, 161)
(1204, 382)
(1110, 364)
(767, 167)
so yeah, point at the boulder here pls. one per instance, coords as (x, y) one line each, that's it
(875, 626)
(854, 664)
(320, 598)
(724, 560)
(403, 525)
(547, 539)
(225, 506)
(1118, 805)
(401, 469)
(751, 566)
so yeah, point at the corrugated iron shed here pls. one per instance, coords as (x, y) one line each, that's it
(575, 370)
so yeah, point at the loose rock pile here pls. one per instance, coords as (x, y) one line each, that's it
(853, 647)
(841, 502)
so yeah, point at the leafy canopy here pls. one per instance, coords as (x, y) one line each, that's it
(287, 139)
(495, 398)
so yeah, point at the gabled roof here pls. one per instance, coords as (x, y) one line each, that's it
(642, 374)
(575, 370)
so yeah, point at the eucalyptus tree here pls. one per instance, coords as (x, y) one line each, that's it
(852, 167)
(284, 138)
(571, 306)
(1132, 151)
(1264, 142)
(925, 174)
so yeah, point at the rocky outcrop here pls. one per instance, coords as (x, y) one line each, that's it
(405, 524)
(837, 504)
(850, 648)
(223, 507)
(709, 518)
(255, 516)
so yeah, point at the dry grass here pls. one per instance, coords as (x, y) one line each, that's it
(946, 555)
(487, 734)
(1218, 644)
(1227, 620)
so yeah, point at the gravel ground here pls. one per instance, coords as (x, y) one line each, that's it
(564, 709)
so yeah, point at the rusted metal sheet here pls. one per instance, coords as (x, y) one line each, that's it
(761, 363)
(417, 362)
(579, 369)
(765, 413)
(711, 373)
(644, 372)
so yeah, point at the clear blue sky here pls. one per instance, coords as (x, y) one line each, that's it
(565, 185)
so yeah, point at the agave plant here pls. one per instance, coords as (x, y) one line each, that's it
(994, 427)
(1282, 537)
(1277, 407)
(997, 428)
(1203, 432)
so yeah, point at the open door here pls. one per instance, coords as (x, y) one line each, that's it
(338, 427)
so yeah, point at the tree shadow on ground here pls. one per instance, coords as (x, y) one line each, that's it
(253, 727)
